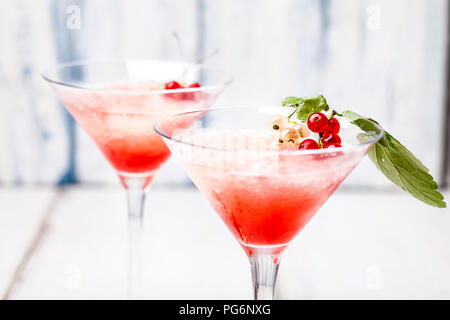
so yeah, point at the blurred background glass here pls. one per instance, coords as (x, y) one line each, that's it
(385, 59)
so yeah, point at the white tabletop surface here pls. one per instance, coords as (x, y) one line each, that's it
(71, 244)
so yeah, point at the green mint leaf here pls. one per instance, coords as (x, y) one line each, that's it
(351, 116)
(398, 164)
(366, 124)
(311, 105)
(291, 102)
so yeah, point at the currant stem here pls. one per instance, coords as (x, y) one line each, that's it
(181, 52)
(204, 58)
(333, 113)
(320, 142)
(290, 116)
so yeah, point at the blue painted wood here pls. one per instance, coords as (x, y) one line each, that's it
(383, 58)
(67, 45)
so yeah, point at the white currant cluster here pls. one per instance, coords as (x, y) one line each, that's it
(288, 134)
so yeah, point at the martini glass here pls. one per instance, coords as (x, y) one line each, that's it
(264, 195)
(117, 102)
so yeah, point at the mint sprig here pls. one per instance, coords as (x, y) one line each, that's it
(306, 105)
(399, 165)
(393, 159)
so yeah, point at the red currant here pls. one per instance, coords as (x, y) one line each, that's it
(333, 126)
(308, 144)
(317, 122)
(172, 85)
(193, 95)
(329, 138)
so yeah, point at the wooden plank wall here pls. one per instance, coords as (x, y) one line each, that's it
(383, 58)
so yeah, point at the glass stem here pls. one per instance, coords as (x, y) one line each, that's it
(264, 274)
(136, 197)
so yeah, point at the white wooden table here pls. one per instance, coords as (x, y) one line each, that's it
(71, 244)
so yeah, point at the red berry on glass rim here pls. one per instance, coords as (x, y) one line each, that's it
(193, 95)
(308, 144)
(172, 85)
(334, 126)
(329, 138)
(317, 122)
(195, 85)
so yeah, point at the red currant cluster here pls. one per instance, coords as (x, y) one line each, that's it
(328, 130)
(173, 85)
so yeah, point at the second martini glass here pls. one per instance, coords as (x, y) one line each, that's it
(263, 194)
(117, 102)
